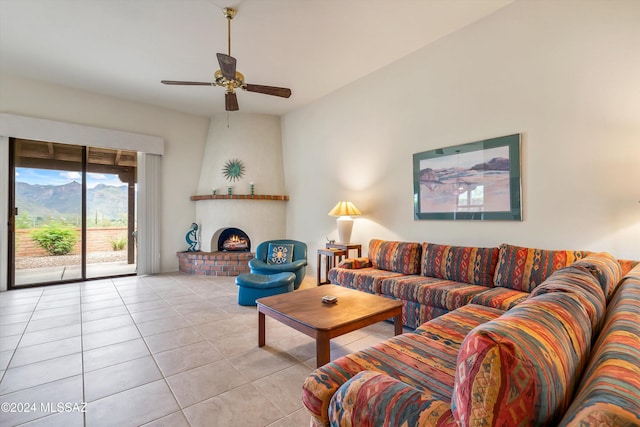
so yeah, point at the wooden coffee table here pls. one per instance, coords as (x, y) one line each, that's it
(304, 311)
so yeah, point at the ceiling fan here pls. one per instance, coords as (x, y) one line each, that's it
(230, 79)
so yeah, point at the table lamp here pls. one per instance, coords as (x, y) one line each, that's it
(344, 211)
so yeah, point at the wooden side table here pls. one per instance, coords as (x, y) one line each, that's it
(332, 256)
(346, 247)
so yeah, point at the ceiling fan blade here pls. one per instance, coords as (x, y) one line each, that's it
(268, 90)
(182, 83)
(231, 101)
(227, 66)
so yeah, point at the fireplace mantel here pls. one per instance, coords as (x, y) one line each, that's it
(239, 197)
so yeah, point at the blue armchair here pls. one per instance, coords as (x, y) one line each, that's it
(298, 266)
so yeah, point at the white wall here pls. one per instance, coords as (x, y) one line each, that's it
(566, 74)
(255, 140)
(185, 136)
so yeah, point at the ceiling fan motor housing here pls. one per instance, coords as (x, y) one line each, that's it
(230, 85)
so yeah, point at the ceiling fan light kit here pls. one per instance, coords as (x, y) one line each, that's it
(229, 78)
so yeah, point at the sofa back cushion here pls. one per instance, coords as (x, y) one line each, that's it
(400, 257)
(521, 368)
(523, 268)
(605, 269)
(627, 265)
(460, 263)
(609, 393)
(580, 282)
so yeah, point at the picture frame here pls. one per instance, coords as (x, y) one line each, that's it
(478, 181)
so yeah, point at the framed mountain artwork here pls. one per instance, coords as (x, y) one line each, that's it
(477, 181)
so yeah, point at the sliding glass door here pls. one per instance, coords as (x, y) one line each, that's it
(72, 212)
(110, 212)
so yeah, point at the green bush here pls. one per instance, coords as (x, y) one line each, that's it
(118, 243)
(55, 239)
(24, 221)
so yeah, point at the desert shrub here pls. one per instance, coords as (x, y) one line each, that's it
(118, 243)
(55, 239)
(23, 221)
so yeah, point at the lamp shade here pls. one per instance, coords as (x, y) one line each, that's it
(344, 209)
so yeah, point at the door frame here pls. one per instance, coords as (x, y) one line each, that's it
(150, 150)
(84, 164)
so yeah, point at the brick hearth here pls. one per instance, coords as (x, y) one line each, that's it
(214, 263)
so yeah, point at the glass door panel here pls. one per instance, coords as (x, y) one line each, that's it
(111, 178)
(74, 212)
(48, 207)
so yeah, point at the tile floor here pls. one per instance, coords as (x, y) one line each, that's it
(166, 350)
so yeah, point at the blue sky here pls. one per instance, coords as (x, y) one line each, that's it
(57, 177)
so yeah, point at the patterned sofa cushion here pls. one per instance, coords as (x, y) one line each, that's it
(355, 263)
(523, 365)
(627, 265)
(415, 314)
(400, 257)
(460, 263)
(360, 402)
(580, 282)
(425, 360)
(605, 268)
(523, 269)
(431, 291)
(363, 279)
(609, 394)
(456, 325)
(502, 298)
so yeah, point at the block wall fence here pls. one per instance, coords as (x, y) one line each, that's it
(98, 240)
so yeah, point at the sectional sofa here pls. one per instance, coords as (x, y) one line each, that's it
(506, 336)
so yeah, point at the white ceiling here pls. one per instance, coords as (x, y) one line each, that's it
(123, 48)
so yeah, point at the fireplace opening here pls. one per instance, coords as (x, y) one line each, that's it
(231, 240)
